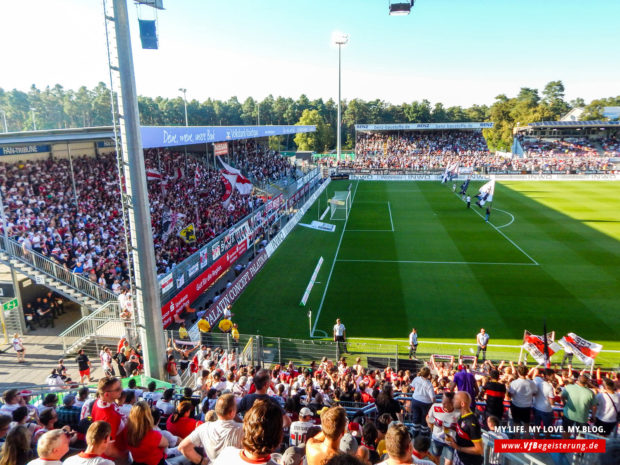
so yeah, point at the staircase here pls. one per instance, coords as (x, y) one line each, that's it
(102, 327)
(45, 271)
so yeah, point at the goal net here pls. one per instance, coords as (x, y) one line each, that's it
(340, 205)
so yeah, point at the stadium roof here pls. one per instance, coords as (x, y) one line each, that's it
(421, 126)
(171, 136)
(154, 136)
(575, 124)
(57, 135)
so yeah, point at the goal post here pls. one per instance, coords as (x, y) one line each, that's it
(340, 205)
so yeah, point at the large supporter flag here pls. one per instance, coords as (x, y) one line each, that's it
(241, 183)
(486, 193)
(229, 181)
(188, 234)
(153, 175)
(450, 172)
(535, 345)
(585, 351)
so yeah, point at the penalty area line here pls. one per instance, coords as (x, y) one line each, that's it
(329, 277)
(391, 221)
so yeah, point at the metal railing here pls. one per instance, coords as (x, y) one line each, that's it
(41, 263)
(104, 323)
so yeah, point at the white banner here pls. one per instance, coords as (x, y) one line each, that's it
(166, 283)
(535, 345)
(405, 127)
(319, 225)
(585, 351)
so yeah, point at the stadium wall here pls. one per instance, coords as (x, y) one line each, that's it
(480, 177)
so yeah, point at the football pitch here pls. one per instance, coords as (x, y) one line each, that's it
(412, 254)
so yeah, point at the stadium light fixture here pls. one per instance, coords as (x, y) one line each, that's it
(181, 89)
(339, 39)
(6, 128)
(400, 8)
(34, 122)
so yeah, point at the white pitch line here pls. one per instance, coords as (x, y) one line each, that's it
(507, 213)
(500, 231)
(391, 221)
(370, 230)
(429, 262)
(329, 277)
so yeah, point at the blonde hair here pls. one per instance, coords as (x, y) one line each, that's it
(48, 442)
(139, 423)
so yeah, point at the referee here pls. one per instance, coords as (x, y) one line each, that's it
(340, 335)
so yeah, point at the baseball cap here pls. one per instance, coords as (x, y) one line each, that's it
(68, 399)
(355, 428)
(306, 412)
(348, 444)
(293, 456)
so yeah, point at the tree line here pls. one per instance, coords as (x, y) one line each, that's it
(57, 107)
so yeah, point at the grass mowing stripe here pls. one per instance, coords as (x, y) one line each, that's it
(329, 277)
(438, 262)
(505, 236)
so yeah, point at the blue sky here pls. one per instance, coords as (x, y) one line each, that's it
(459, 52)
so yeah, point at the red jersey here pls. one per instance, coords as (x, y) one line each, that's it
(104, 411)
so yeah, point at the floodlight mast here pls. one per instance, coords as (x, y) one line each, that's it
(339, 39)
(147, 299)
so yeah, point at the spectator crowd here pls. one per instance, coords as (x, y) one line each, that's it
(84, 231)
(434, 151)
(327, 412)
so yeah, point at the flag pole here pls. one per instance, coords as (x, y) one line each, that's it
(547, 362)
(521, 351)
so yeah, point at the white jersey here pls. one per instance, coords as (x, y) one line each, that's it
(339, 330)
(234, 456)
(443, 420)
(84, 459)
(299, 429)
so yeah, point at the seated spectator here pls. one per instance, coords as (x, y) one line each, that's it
(69, 414)
(16, 449)
(262, 434)
(299, 428)
(52, 447)
(180, 422)
(97, 439)
(165, 404)
(152, 395)
(213, 437)
(146, 445)
(11, 399)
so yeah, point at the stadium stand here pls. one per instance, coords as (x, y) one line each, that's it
(84, 232)
(303, 401)
(435, 150)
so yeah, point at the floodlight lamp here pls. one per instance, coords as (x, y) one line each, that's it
(340, 38)
(401, 8)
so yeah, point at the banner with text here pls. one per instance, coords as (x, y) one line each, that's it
(221, 148)
(232, 293)
(201, 283)
(585, 351)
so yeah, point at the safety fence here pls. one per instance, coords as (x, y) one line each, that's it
(63, 275)
(269, 350)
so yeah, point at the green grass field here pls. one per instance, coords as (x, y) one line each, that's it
(412, 254)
